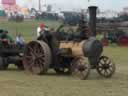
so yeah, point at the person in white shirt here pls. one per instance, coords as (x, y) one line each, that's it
(40, 29)
(20, 41)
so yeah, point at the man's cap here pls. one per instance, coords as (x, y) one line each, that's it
(42, 25)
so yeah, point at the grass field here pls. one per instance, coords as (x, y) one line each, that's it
(19, 83)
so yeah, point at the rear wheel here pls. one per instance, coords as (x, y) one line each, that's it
(37, 57)
(79, 68)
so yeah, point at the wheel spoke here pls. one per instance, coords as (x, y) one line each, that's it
(100, 63)
(109, 62)
(105, 59)
(110, 69)
(106, 72)
(30, 49)
(100, 69)
(41, 56)
(40, 50)
(29, 66)
(35, 46)
(37, 67)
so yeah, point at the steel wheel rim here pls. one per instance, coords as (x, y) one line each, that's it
(106, 67)
(80, 69)
(33, 58)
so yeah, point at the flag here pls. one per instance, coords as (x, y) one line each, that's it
(9, 2)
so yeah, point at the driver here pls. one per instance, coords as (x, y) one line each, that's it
(6, 38)
(83, 28)
(48, 37)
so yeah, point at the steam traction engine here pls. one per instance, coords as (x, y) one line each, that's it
(10, 54)
(71, 56)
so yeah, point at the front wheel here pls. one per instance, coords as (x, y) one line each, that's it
(106, 67)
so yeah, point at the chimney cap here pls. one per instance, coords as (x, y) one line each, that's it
(92, 7)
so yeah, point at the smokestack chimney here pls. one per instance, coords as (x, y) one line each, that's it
(92, 19)
(39, 5)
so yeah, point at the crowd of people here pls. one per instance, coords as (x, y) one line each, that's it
(6, 39)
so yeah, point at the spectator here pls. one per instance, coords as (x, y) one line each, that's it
(20, 41)
(6, 38)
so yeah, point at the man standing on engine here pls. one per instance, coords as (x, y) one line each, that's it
(83, 28)
(40, 29)
(48, 37)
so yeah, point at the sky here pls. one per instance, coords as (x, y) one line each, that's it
(116, 5)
